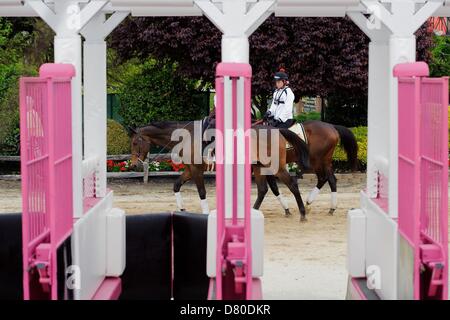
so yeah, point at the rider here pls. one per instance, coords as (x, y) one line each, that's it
(280, 113)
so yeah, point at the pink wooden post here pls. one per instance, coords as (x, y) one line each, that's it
(46, 168)
(234, 254)
(423, 177)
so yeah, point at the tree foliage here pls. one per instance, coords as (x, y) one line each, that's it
(440, 57)
(158, 92)
(324, 56)
(24, 45)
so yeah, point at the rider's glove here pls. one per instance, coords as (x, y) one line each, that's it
(267, 116)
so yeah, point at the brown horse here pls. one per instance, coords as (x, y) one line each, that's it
(161, 134)
(323, 139)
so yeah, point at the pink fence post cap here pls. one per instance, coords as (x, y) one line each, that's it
(414, 69)
(57, 70)
(233, 69)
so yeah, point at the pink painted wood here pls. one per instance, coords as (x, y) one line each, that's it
(233, 234)
(46, 168)
(423, 176)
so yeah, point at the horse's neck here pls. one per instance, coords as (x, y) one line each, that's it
(161, 136)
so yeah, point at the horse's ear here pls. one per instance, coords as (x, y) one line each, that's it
(131, 131)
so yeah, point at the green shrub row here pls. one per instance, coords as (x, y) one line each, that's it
(118, 141)
(340, 157)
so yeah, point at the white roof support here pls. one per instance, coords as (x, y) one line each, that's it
(95, 91)
(403, 18)
(378, 98)
(391, 27)
(67, 18)
(249, 13)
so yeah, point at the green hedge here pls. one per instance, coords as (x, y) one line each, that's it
(9, 106)
(340, 158)
(118, 141)
(305, 116)
(157, 92)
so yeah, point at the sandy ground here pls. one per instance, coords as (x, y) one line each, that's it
(302, 260)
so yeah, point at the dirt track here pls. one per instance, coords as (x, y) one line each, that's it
(302, 260)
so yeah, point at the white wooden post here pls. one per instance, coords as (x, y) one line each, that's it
(393, 41)
(67, 18)
(95, 91)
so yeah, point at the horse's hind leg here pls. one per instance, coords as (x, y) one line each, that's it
(261, 184)
(272, 181)
(332, 181)
(291, 183)
(182, 179)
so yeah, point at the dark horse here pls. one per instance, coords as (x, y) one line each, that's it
(162, 134)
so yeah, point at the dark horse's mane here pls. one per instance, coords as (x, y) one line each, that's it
(165, 124)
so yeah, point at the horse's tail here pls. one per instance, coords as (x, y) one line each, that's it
(301, 148)
(348, 141)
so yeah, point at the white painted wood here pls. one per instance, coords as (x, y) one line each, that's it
(115, 242)
(95, 91)
(356, 243)
(89, 247)
(257, 226)
(381, 247)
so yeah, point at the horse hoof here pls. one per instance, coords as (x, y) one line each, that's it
(331, 212)
(303, 219)
(287, 213)
(308, 209)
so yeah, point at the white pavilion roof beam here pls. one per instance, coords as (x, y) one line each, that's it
(444, 11)
(314, 8)
(15, 8)
(158, 7)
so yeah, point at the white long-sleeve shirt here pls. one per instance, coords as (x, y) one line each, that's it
(282, 107)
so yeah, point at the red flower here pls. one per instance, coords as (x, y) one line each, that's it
(123, 169)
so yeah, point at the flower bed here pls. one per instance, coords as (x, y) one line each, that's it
(154, 166)
(117, 166)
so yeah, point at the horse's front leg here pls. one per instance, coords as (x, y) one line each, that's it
(291, 183)
(274, 187)
(182, 179)
(261, 185)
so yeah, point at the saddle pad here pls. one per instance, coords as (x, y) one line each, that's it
(299, 130)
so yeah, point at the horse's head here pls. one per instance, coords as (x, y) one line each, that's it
(140, 146)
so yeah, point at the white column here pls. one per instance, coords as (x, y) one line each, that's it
(378, 98)
(378, 111)
(401, 49)
(68, 50)
(95, 91)
(391, 29)
(67, 18)
(95, 104)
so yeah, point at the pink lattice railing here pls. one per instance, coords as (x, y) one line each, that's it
(423, 176)
(46, 169)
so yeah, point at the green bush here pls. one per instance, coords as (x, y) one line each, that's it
(305, 116)
(118, 141)
(157, 92)
(9, 106)
(340, 157)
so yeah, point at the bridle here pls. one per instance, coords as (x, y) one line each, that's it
(140, 141)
